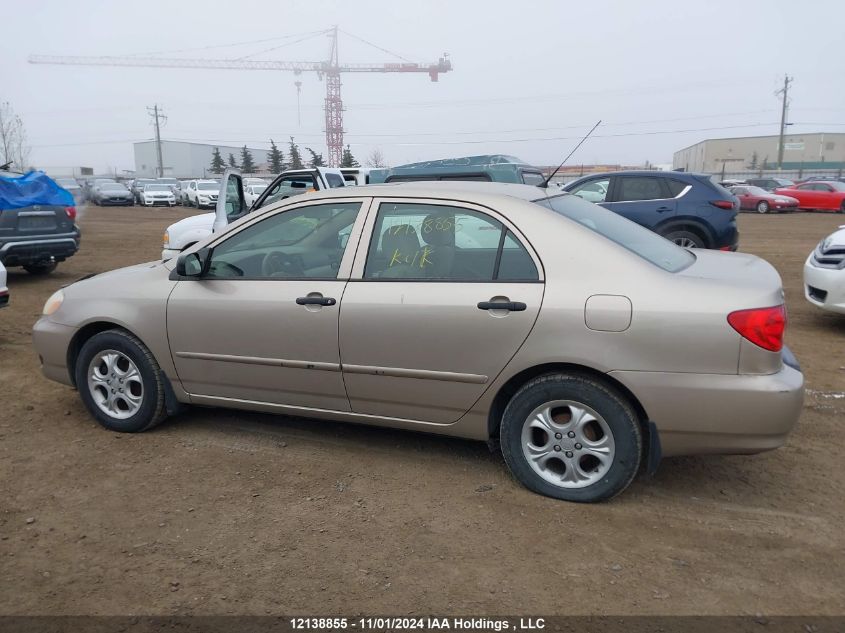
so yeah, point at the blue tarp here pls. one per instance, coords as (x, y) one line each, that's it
(36, 187)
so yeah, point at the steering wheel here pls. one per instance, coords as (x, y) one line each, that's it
(279, 264)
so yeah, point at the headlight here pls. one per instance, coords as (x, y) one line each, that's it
(53, 303)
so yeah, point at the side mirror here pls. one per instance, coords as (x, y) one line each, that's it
(194, 264)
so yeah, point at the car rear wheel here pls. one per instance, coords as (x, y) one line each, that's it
(842, 207)
(41, 268)
(119, 382)
(686, 239)
(571, 437)
(762, 207)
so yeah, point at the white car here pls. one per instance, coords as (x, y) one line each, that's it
(252, 191)
(824, 273)
(158, 194)
(254, 181)
(4, 291)
(293, 182)
(202, 194)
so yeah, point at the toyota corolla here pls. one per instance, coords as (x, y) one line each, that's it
(585, 345)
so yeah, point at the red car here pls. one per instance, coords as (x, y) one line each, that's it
(759, 200)
(820, 195)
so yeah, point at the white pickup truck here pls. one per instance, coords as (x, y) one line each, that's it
(293, 182)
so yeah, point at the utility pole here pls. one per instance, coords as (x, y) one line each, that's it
(156, 113)
(785, 93)
(298, 85)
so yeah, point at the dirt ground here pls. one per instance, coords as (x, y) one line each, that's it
(219, 512)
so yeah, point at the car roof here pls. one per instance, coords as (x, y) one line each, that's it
(439, 188)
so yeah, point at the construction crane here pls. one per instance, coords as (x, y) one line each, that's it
(331, 69)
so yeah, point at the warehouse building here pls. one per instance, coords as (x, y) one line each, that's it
(189, 160)
(821, 150)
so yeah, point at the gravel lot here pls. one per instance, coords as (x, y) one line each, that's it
(218, 512)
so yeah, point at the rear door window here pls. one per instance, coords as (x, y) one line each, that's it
(634, 188)
(334, 180)
(675, 186)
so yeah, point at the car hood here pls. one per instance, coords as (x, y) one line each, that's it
(203, 220)
(837, 239)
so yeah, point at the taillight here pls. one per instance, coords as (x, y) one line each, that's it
(761, 326)
(71, 213)
(723, 204)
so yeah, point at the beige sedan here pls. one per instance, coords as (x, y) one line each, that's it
(587, 346)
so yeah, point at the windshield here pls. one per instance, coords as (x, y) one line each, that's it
(112, 186)
(640, 241)
(67, 182)
(258, 188)
(156, 188)
(168, 181)
(141, 183)
(837, 186)
(208, 186)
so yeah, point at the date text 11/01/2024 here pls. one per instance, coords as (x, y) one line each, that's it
(419, 624)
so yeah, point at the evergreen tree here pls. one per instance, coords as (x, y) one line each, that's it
(348, 159)
(247, 164)
(232, 161)
(217, 164)
(295, 156)
(316, 159)
(277, 158)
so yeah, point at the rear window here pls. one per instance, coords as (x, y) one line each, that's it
(334, 180)
(533, 178)
(631, 236)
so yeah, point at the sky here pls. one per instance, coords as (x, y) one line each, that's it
(529, 78)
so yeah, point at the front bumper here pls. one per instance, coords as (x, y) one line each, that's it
(719, 413)
(207, 205)
(824, 287)
(161, 202)
(52, 341)
(116, 202)
(169, 253)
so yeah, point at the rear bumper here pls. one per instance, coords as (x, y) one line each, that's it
(34, 249)
(4, 297)
(824, 287)
(719, 413)
(51, 341)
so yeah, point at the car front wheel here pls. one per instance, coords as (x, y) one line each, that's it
(119, 382)
(762, 207)
(571, 437)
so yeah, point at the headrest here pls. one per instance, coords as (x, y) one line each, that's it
(402, 238)
(438, 229)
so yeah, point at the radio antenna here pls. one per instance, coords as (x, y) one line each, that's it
(548, 180)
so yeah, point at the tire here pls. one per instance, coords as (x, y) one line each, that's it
(41, 268)
(612, 429)
(687, 239)
(142, 406)
(842, 207)
(762, 207)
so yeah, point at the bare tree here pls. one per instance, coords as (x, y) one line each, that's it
(376, 159)
(13, 143)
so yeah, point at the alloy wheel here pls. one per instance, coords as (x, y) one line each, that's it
(568, 444)
(115, 384)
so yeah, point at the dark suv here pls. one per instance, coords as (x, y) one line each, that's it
(34, 235)
(689, 209)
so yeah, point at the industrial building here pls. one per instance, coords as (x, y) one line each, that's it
(189, 160)
(820, 150)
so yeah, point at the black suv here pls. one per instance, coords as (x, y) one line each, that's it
(689, 209)
(38, 236)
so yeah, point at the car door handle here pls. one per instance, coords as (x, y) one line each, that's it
(510, 306)
(316, 301)
(662, 209)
